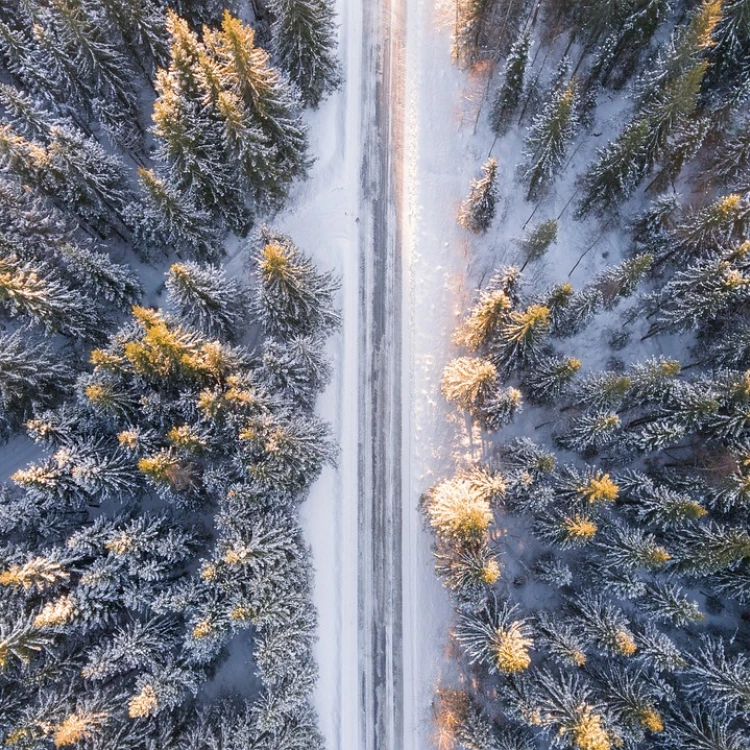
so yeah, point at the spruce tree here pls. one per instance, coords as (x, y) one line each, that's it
(496, 637)
(550, 377)
(31, 376)
(469, 381)
(165, 217)
(478, 210)
(35, 292)
(537, 242)
(292, 297)
(304, 44)
(508, 96)
(203, 296)
(548, 139)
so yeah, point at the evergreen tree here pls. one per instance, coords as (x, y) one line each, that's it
(292, 297)
(458, 510)
(605, 624)
(297, 368)
(34, 291)
(521, 338)
(265, 94)
(166, 217)
(484, 320)
(203, 297)
(496, 637)
(478, 210)
(508, 96)
(563, 705)
(550, 377)
(469, 382)
(99, 275)
(30, 376)
(537, 242)
(712, 548)
(720, 680)
(548, 139)
(304, 43)
(499, 408)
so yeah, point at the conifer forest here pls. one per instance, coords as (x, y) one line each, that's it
(375, 374)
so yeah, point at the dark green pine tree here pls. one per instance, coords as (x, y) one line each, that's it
(31, 376)
(304, 42)
(548, 139)
(508, 96)
(538, 240)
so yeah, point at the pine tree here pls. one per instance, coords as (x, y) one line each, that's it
(721, 681)
(292, 297)
(560, 640)
(496, 637)
(31, 375)
(262, 90)
(297, 368)
(468, 382)
(536, 244)
(167, 217)
(508, 96)
(632, 698)
(550, 377)
(457, 510)
(484, 320)
(712, 548)
(469, 571)
(666, 602)
(521, 338)
(548, 139)
(499, 408)
(34, 291)
(478, 210)
(731, 162)
(115, 282)
(470, 19)
(605, 390)
(304, 44)
(563, 707)
(203, 297)
(622, 280)
(141, 25)
(699, 726)
(618, 54)
(605, 624)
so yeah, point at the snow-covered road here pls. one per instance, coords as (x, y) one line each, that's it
(380, 206)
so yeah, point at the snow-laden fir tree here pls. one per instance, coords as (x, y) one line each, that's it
(508, 96)
(166, 218)
(304, 41)
(31, 376)
(497, 637)
(522, 337)
(478, 210)
(203, 296)
(469, 382)
(550, 377)
(548, 139)
(292, 297)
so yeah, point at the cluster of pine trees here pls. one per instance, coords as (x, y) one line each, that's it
(155, 532)
(599, 560)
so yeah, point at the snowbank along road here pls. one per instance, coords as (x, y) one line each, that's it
(380, 372)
